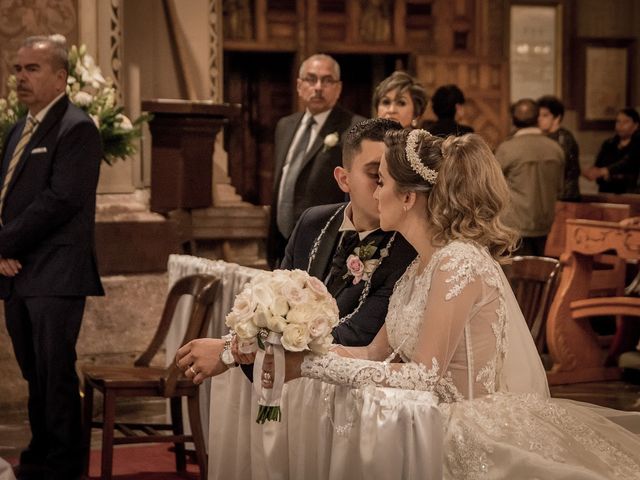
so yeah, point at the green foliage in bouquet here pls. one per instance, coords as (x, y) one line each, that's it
(10, 110)
(94, 94)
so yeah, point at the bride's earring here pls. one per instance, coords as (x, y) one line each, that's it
(414, 123)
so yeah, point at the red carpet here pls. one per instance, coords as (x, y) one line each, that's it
(143, 462)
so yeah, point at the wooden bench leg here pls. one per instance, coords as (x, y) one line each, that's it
(198, 435)
(87, 418)
(107, 435)
(178, 429)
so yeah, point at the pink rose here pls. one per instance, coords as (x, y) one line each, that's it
(355, 267)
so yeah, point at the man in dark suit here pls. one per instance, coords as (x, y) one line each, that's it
(307, 149)
(324, 238)
(326, 235)
(50, 171)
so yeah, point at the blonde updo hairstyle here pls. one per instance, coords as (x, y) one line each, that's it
(470, 194)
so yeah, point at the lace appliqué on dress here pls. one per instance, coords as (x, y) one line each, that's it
(526, 422)
(332, 368)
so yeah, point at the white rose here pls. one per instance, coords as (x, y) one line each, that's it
(244, 304)
(276, 323)
(295, 337)
(321, 345)
(246, 329)
(299, 314)
(316, 286)
(82, 99)
(319, 326)
(331, 140)
(260, 317)
(231, 320)
(294, 294)
(263, 295)
(124, 122)
(3, 104)
(300, 277)
(279, 306)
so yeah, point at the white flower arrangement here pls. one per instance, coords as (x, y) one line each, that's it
(331, 140)
(277, 311)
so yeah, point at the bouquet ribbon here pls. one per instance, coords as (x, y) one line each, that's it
(270, 397)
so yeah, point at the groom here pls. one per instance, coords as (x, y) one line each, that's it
(325, 240)
(332, 242)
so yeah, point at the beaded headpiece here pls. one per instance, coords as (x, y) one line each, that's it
(417, 166)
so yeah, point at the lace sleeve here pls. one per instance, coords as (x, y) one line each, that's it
(453, 296)
(358, 373)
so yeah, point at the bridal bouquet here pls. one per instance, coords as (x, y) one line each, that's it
(90, 91)
(277, 311)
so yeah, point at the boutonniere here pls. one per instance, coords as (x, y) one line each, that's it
(360, 265)
(330, 141)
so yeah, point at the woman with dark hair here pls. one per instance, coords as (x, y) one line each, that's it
(550, 115)
(448, 105)
(618, 162)
(400, 97)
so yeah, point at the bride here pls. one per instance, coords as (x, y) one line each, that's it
(454, 327)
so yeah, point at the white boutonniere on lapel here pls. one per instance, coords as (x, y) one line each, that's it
(330, 141)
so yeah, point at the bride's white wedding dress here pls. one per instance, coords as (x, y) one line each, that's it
(460, 333)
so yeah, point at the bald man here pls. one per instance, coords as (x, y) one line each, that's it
(533, 166)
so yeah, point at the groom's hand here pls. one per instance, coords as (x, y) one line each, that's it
(200, 359)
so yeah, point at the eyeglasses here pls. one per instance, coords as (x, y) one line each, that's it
(312, 80)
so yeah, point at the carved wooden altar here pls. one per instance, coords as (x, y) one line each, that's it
(577, 355)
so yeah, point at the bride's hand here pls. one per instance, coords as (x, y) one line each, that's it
(200, 359)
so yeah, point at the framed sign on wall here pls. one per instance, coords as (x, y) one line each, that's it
(604, 80)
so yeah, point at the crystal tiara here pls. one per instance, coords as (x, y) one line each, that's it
(417, 166)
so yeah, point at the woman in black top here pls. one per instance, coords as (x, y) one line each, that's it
(618, 162)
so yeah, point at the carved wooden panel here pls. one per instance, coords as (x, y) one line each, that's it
(19, 20)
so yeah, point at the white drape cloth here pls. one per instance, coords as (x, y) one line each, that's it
(327, 431)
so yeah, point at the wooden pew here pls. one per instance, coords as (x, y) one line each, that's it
(574, 347)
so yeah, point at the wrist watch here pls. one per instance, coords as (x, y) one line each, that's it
(226, 356)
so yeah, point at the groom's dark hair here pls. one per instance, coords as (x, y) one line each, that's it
(372, 129)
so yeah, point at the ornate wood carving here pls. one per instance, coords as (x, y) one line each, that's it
(115, 47)
(215, 51)
(574, 347)
(19, 20)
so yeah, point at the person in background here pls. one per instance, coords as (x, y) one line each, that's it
(307, 149)
(550, 115)
(618, 161)
(533, 166)
(48, 262)
(400, 97)
(448, 105)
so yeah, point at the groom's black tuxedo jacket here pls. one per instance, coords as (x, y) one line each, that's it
(362, 327)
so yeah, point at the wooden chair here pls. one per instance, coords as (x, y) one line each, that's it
(144, 380)
(534, 281)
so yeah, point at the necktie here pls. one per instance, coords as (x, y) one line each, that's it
(350, 240)
(285, 215)
(29, 127)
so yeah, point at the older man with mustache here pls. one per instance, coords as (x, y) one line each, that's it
(308, 147)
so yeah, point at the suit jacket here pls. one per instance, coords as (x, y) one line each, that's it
(363, 326)
(49, 209)
(315, 184)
